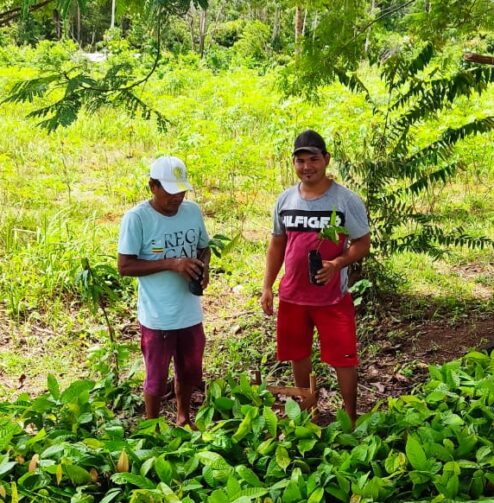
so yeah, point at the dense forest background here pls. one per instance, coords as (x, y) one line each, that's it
(93, 91)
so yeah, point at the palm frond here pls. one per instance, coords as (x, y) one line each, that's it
(64, 113)
(439, 175)
(417, 64)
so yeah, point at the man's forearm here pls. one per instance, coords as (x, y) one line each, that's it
(357, 250)
(140, 267)
(274, 261)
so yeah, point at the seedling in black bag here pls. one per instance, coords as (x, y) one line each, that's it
(331, 232)
(195, 285)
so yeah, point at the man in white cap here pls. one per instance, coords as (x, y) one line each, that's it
(164, 242)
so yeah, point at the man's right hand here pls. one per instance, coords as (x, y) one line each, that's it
(267, 301)
(191, 268)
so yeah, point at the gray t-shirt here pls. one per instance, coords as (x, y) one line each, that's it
(301, 220)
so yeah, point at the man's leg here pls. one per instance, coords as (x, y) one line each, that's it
(301, 372)
(294, 332)
(183, 392)
(188, 368)
(152, 404)
(338, 341)
(155, 347)
(347, 381)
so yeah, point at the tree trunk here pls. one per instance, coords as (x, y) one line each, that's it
(276, 25)
(79, 41)
(299, 23)
(367, 38)
(191, 17)
(315, 23)
(203, 28)
(113, 9)
(58, 24)
(482, 59)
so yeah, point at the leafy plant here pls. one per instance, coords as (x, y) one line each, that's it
(97, 288)
(391, 171)
(332, 231)
(430, 446)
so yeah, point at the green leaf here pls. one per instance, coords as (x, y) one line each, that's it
(345, 421)
(77, 475)
(170, 496)
(232, 487)
(111, 495)
(306, 445)
(133, 479)
(415, 454)
(6, 465)
(292, 409)
(282, 457)
(163, 469)
(291, 493)
(316, 496)
(248, 475)
(213, 460)
(224, 404)
(146, 466)
(73, 392)
(245, 426)
(271, 421)
(7, 432)
(264, 448)
(53, 386)
(218, 496)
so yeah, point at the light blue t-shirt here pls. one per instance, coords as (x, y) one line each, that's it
(164, 301)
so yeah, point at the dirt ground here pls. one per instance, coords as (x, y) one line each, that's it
(400, 364)
(393, 361)
(394, 366)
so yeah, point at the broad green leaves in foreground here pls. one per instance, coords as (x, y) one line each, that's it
(433, 446)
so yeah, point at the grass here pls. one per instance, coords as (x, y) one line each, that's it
(64, 195)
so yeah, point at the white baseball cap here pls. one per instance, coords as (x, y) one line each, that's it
(171, 173)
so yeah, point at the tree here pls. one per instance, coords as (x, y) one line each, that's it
(82, 90)
(342, 36)
(389, 171)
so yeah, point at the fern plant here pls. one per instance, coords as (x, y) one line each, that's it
(390, 172)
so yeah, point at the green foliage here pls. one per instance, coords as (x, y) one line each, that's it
(82, 90)
(253, 42)
(439, 22)
(229, 32)
(436, 444)
(390, 167)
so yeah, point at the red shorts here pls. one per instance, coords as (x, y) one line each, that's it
(335, 325)
(185, 346)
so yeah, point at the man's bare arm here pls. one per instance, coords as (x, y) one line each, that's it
(130, 265)
(274, 261)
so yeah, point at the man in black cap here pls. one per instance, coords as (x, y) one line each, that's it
(300, 213)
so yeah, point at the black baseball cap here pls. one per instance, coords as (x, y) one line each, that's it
(309, 141)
